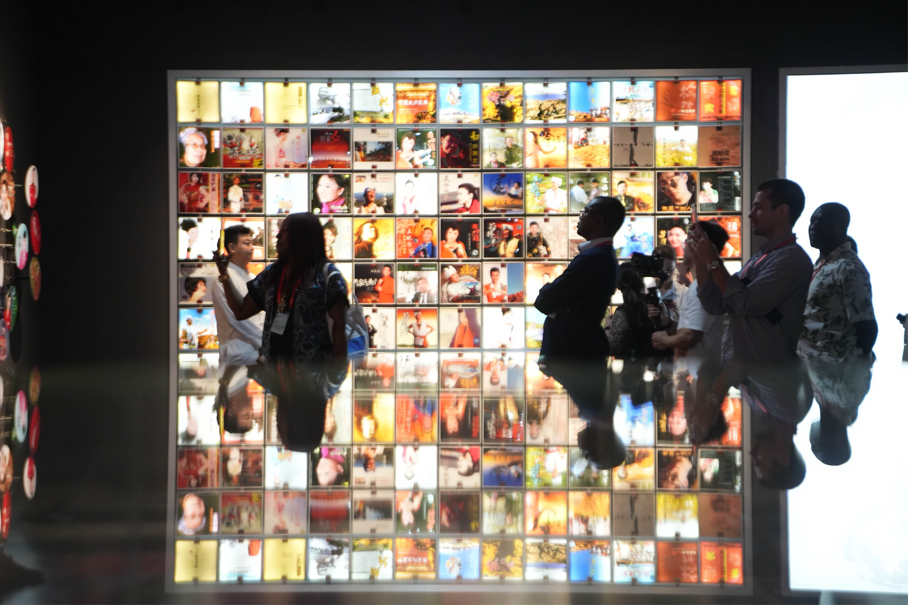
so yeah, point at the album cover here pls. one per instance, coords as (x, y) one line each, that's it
(373, 418)
(546, 419)
(374, 371)
(536, 380)
(373, 193)
(720, 100)
(416, 238)
(636, 234)
(416, 194)
(329, 103)
(671, 424)
(329, 512)
(197, 513)
(676, 146)
(331, 148)
(634, 514)
(504, 371)
(373, 559)
(286, 148)
(458, 103)
(458, 559)
(243, 147)
(459, 371)
(195, 561)
(416, 511)
(546, 559)
(337, 417)
(721, 470)
(634, 423)
(460, 284)
(546, 193)
(373, 284)
(285, 193)
(546, 512)
(199, 192)
(676, 562)
(338, 237)
(415, 558)
(502, 511)
(502, 192)
(459, 512)
(545, 148)
(723, 562)
(676, 191)
(416, 103)
(590, 560)
(503, 419)
(731, 410)
(285, 560)
(374, 238)
(241, 512)
(459, 148)
(633, 101)
(635, 560)
(240, 559)
(720, 516)
(502, 148)
(460, 417)
(417, 328)
(417, 149)
(196, 284)
(373, 466)
(329, 558)
(583, 474)
(589, 147)
(418, 370)
(241, 467)
(502, 467)
(198, 329)
(574, 240)
(732, 225)
(460, 193)
(720, 191)
(330, 467)
(502, 102)
(589, 513)
(503, 238)
(257, 225)
(676, 515)
(676, 101)
(546, 466)
(286, 512)
(331, 193)
(547, 237)
(677, 469)
(373, 511)
(285, 469)
(672, 231)
(242, 102)
(502, 559)
(720, 145)
(243, 193)
(198, 373)
(417, 418)
(197, 101)
(546, 102)
(416, 466)
(459, 238)
(458, 467)
(199, 147)
(637, 472)
(197, 421)
(459, 328)
(503, 283)
(285, 103)
(589, 101)
(534, 328)
(197, 468)
(634, 147)
(373, 149)
(373, 103)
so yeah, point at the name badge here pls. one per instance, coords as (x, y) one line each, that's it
(280, 323)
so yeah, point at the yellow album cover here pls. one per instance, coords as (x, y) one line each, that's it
(285, 559)
(373, 103)
(676, 146)
(195, 561)
(285, 103)
(198, 101)
(502, 102)
(416, 103)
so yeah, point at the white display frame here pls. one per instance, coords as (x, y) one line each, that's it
(441, 586)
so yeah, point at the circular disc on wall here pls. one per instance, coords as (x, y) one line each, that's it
(20, 420)
(22, 246)
(34, 277)
(29, 478)
(35, 232)
(31, 186)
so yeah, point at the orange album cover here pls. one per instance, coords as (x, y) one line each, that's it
(721, 563)
(720, 100)
(676, 562)
(676, 101)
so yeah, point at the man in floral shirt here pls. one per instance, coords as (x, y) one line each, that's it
(839, 332)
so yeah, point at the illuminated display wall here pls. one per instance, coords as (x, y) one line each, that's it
(447, 203)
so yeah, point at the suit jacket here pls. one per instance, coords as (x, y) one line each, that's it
(431, 298)
(576, 303)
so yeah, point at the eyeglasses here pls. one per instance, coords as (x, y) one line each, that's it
(195, 146)
(586, 211)
(673, 183)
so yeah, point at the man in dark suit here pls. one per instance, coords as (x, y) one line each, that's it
(423, 295)
(576, 302)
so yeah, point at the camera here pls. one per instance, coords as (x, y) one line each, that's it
(650, 266)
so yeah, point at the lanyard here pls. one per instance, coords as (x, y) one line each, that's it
(817, 270)
(281, 305)
(765, 254)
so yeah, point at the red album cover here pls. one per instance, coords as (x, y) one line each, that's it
(197, 468)
(330, 148)
(720, 100)
(721, 563)
(676, 101)
(731, 409)
(676, 562)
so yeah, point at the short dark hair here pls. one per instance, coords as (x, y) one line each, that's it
(579, 182)
(494, 270)
(233, 234)
(838, 213)
(330, 226)
(186, 224)
(715, 232)
(388, 266)
(533, 223)
(595, 181)
(192, 284)
(621, 183)
(612, 210)
(666, 251)
(783, 191)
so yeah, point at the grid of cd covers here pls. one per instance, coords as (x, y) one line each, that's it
(449, 455)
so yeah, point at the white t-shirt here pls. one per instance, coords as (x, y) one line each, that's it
(694, 317)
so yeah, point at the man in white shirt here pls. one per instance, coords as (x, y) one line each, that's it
(235, 196)
(240, 340)
(579, 198)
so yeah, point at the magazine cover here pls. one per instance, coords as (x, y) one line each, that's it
(545, 148)
(196, 283)
(286, 148)
(502, 148)
(502, 102)
(197, 101)
(722, 562)
(546, 466)
(373, 466)
(720, 145)
(416, 511)
(458, 103)
(243, 147)
(416, 467)
(459, 371)
(373, 193)
(285, 103)
(503, 237)
(373, 559)
(721, 470)
(374, 238)
(458, 559)
(676, 515)
(243, 193)
(546, 560)
(199, 147)
(417, 238)
(636, 234)
(418, 370)
(417, 418)
(459, 192)
(286, 512)
(589, 147)
(502, 512)
(676, 101)
(720, 100)
(546, 513)
(329, 512)
(286, 193)
(329, 559)
(546, 102)
(583, 474)
(459, 328)
(240, 559)
(415, 558)
(633, 101)
(634, 514)
(637, 472)
(502, 559)
(373, 149)
(416, 193)
(720, 516)
(677, 469)
(331, 148)
(417, 328)
(633, 147)
(242, 102)
(373, 511)
(589, 101)
(546, 193)
(198, 192)
(590, 560)
(676, 146)
(241, 512)
(197, 513)
(635, 190)
(635, 560)
(285, 469)
(285, 560)
(676, 562)
(416, 103)
(459, 512)
(460, 283)
(373, 418)
(589, 513)
(198, 329)
(547, 237)
(329, 103)
(195, 561)
(374, 371)
(720, 191)
(373, 103)
(502, 192)
(417, 149)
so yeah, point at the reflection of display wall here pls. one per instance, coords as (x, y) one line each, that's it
(448, 203)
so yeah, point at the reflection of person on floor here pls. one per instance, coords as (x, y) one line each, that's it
(420, 330)
(329, 467)
(190, 336)
(407, 508)
(463, 335)
(385, 286)
(372, 331)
